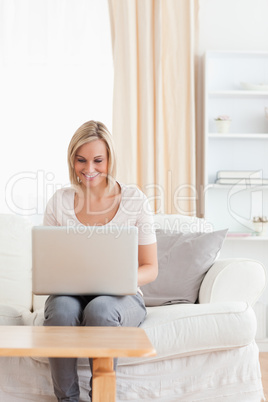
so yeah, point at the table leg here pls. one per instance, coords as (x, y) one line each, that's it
(103, 380)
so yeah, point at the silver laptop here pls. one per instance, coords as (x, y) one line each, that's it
(85, 260)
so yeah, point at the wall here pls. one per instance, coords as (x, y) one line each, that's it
(233, 25)
(56, 72)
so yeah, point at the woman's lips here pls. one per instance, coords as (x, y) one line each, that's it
(90, 176)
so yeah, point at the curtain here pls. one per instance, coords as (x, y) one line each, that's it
(154, 99)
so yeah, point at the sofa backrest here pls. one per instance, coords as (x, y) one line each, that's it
(15, 262)
(181, 223)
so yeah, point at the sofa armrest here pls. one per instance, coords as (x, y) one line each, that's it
(234, 279)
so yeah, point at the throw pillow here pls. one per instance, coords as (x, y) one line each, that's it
(183, 260)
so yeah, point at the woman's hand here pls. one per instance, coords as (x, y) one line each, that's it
(148, 265)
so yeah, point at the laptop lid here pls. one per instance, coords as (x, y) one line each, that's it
(85, 260)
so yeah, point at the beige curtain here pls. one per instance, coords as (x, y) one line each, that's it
(154, 105)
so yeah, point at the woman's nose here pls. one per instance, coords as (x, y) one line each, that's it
(90, 166)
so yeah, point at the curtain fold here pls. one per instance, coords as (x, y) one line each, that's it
(154, 99)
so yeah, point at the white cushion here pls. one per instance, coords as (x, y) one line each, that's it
(15, 262)
(35, 318)
(10, 316)
(188, 329)
(233, 279)
(183, 260)
(39, 302)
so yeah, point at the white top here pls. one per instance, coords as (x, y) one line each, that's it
(134, 210)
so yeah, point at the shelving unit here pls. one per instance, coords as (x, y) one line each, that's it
(245, 147)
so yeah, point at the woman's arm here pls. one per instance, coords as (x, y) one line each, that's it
(49, 215)
(148, 265)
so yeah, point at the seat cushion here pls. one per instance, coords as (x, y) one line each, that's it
(188, 329)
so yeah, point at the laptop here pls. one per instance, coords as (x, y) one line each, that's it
(99, 260)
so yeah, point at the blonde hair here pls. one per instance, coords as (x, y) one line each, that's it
(91, 131)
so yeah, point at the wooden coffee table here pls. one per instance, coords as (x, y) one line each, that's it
(100, 343)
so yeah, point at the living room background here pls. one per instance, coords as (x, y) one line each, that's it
(40, 84)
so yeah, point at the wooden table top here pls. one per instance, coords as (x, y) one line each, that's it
(74, 342)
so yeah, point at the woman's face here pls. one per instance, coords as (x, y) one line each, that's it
(91, 163)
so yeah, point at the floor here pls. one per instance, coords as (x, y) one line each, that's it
(264, 372)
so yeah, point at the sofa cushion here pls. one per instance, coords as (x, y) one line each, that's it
(183, 260)
(15, 262)
(39, 301)
(10, 316)
(188, 329)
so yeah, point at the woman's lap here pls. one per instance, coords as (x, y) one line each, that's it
(95, 310)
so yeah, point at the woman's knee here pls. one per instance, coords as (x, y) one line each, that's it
(62, 310)
(115, 311)
(102, 311)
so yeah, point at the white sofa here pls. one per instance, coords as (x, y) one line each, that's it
(205, 351)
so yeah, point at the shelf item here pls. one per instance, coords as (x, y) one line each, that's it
(238, 174)
(261, 228)
(242, 177)
(245, 180)
(223, 126)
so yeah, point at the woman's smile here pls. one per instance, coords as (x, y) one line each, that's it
(90, 176)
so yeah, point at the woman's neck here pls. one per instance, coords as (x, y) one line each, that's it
(100, 192)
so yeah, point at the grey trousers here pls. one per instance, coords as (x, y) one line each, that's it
(114, 311)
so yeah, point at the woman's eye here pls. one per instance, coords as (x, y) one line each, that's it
(83, 160)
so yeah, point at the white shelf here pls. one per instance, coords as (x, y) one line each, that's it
(242, 186)
(239, 93)
(247, 238)
(237, 53)
(260, 136)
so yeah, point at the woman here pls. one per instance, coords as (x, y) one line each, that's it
(96, 198)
